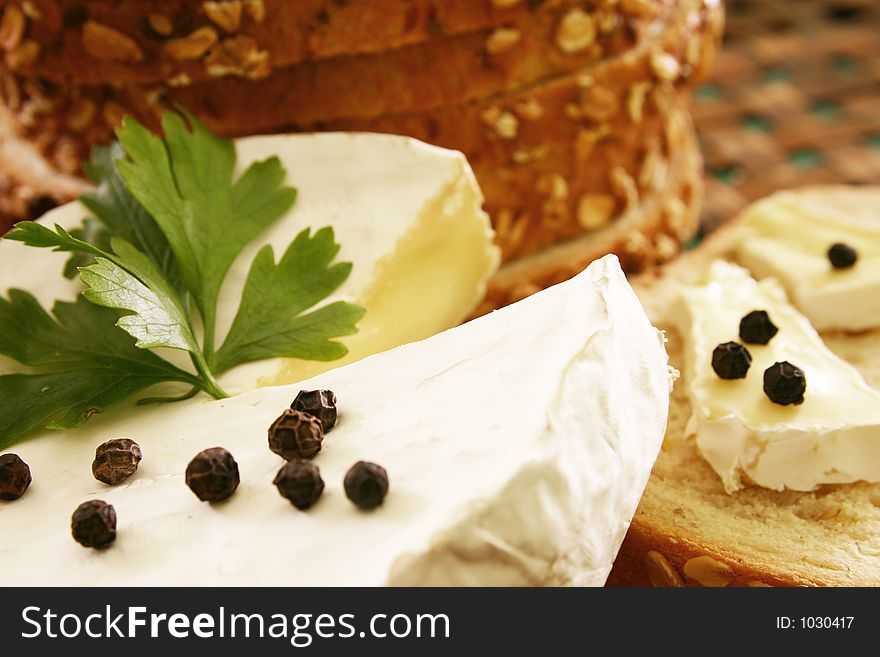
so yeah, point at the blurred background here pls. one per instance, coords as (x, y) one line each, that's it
(793, 100)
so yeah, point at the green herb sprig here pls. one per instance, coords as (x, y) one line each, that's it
(169, 219)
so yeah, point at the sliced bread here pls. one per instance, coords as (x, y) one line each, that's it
(689, 532)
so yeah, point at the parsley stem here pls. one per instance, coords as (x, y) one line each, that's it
(210, 326)
(207, 381)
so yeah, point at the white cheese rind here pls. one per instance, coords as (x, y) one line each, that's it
(389, 199)
(517, 447)
(787, 236)
(832, 438)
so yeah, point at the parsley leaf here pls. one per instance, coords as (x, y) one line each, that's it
(157, 319)
(82, 365)
(92, 232)
(168, 223)
(34, 234)
(121, 215)
(186, 183)
(269, 322)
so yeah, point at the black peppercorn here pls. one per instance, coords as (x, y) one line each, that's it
(785, 383)
(731, 360)
(15, 477)
(116, 460)
(296, 435)
(212, 475)
(94, 524)
(300, 482)
(757, 328)
(366, 484)
(842, 256)
(319, 403)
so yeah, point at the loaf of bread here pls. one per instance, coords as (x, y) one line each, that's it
(689, 532)
(584, 145)
(576, 127)
(509, 124)
(156, 42)
(442, 75)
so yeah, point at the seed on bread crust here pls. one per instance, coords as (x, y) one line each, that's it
(23, 55)
(240, 56)
(256, 9)
(595, 210)
(225, 14)
(576, 31)
(665, 246)
(599, 103)
(109, 44)
(31, 10)
(529, 109)
(11, 28)
(159, 25)
(502, 40)
(635, 101)
(665, 66)
(661, 572)
(505, 124)
(708, 572)
(624, 187)
(193, 45)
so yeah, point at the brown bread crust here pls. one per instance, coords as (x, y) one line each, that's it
(431, 79)
(154, 41)
(556, 160)
(410, 93)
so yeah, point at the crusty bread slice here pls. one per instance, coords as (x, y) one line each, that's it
(449, 94)
(151, 42)
(438, 75)
(688, 531)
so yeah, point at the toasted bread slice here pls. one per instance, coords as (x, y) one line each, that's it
(689, 532)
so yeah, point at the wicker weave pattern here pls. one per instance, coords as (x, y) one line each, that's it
(794, 99)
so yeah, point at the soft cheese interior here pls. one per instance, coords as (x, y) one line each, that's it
(407, 215)
(517, 447)
(832, 438)
(787, 236)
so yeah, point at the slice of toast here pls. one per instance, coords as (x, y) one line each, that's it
(689, 532)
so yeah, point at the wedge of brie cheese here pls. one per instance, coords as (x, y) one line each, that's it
(406, 214)
(517, 447)
(788, 235)
(832, 438)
